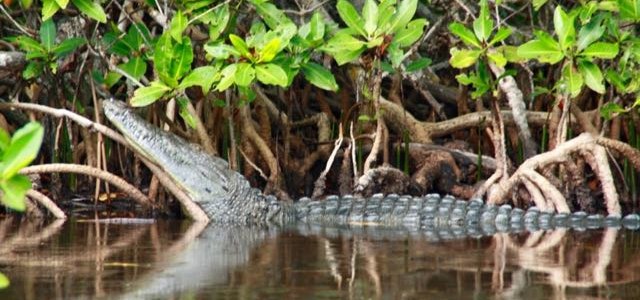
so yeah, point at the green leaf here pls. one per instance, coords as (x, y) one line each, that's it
(464, 34)
(26, 3)
(342, 41)
(395, 55)
(4, 281)
(163, 55)
(461, 59)
(147, 95)
(538, 3)
(483, 25)
(183, 57)
(365, 118)
(178, 25)
(344, 47)
(618, 81)
(347, 56)
(601, 50)
(270, 50)
(30, 45)
(220, 51)
(511, 53)
(609, 5)
(386, 10)
(91, 9)
(228, 77)
(370, 16)
(418, 64)
(319, 76)
(476, 82)
(14, 190)
(271, 14)
(245, 73)
(564, 27)
(136, 35)
(201, 76)
(501, 35)
(116, 45)
(592, 75)
(62, 3)
(404, 14)
(542, 50)
(49, 8)
(497, 57)
(629, 9)
(316, 28)
(135, 67)
(246, 94)
(32, 70)
(573, 80)
(407, 36)
(48, 34)
(375, 42)
(67, 46)
(610, 109)
(271, 74)
(239, 44)
(24, 147)
(188, 118)
(590, 33)
(350, 16)
(111, 78)
(220, 22)
(5, 141)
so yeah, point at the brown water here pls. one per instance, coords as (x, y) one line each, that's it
(182, 260)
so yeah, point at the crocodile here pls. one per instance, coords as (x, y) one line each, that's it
(227, 197)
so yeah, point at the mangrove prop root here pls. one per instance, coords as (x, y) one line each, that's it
(320, 182)
(515, 99)
(47, 203)
(123, 185)
(586, 145)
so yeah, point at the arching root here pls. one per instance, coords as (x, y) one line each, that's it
(94, 172)
(544, 194)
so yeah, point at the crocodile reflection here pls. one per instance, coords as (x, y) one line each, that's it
(382, 258)
(150, 261)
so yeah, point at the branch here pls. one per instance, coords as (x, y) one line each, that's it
(93, 172)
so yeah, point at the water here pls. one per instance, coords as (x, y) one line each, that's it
(182, 260)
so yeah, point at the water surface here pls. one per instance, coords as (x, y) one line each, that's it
(183, 260)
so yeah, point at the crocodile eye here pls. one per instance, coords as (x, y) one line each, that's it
(208, 190)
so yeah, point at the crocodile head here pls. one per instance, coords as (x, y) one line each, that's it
(206, 179)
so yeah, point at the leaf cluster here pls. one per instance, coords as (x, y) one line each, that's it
(17, 152)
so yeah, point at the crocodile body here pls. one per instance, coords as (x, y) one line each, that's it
(227, 197)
